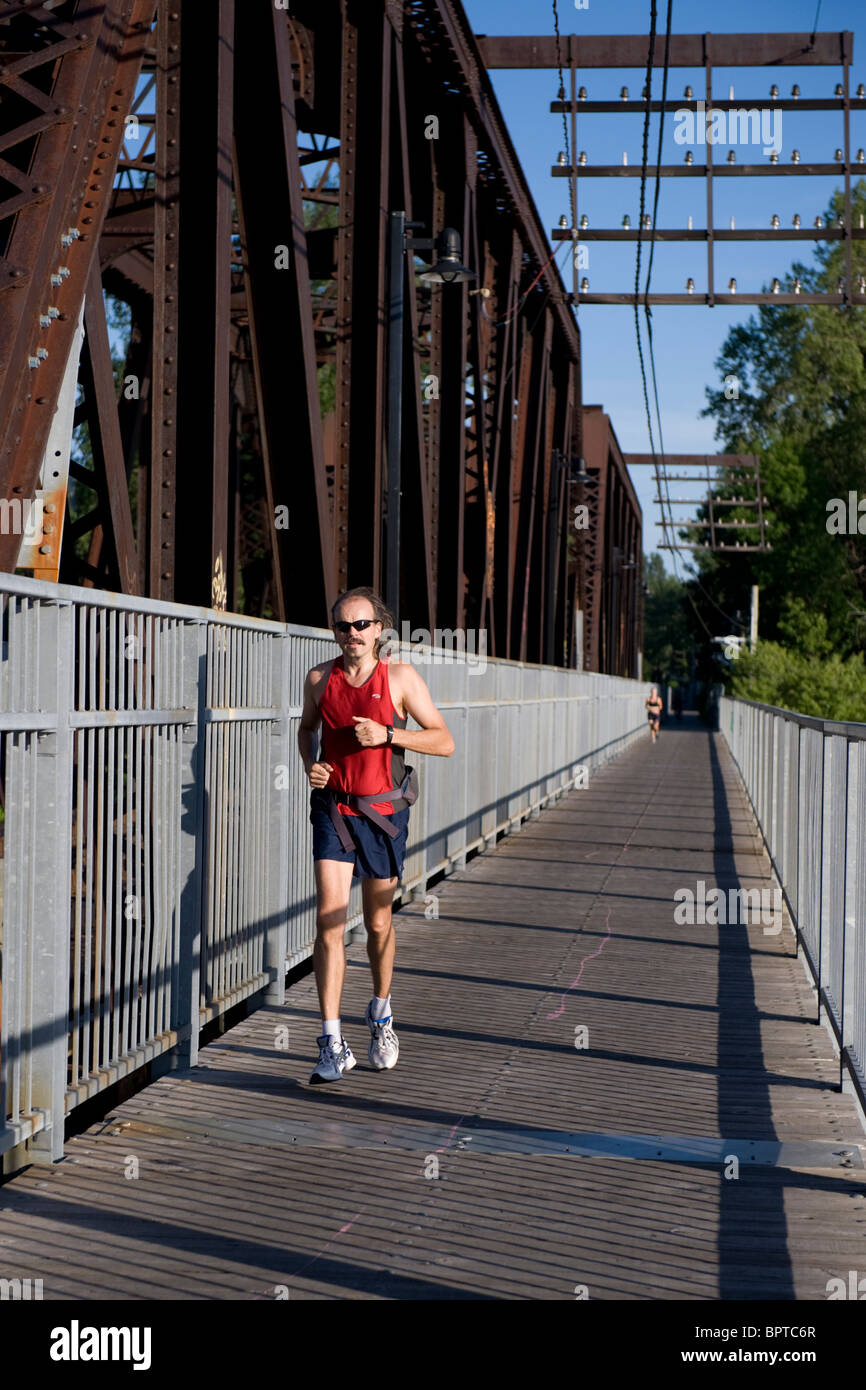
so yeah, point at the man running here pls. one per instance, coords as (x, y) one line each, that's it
(654, 710)
(362, 704)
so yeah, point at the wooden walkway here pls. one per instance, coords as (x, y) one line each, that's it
(561, 1169)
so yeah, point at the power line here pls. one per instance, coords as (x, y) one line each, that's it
(647, 309)
(643, 178)
(498, 323)
(665, 495)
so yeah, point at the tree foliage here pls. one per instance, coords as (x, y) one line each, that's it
(792, 389)
(800, 403)
(668, 640)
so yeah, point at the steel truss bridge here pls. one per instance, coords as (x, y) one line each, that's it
(228, 173)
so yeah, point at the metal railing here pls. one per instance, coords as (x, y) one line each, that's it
(806, 779)
(157, 853)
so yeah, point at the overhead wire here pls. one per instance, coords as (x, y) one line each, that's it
(498, 323)
(643, 181)
(663, 493)
(662, 476)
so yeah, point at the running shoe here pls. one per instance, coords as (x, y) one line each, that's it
(384, 1047)
(335, 1058)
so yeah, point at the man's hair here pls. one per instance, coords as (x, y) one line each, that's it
(381, 613)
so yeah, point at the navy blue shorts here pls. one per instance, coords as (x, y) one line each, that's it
(375, 855)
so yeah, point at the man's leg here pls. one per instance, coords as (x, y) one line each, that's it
(378, 896)
(333, 885)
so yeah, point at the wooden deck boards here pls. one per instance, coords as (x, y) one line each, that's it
(250, 1181)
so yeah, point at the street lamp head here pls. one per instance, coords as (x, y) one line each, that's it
(448, 268)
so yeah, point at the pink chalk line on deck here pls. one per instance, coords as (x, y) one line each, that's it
(348, 1226)
(591, 956)
(452, 1132)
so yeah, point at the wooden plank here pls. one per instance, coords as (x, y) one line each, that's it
(694, 1031)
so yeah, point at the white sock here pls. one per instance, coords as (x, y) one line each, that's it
(381, 1007)
(331, 1026)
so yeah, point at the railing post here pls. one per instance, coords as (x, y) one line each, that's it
(854, 956)
(191, 938)
(53, 637)
(277, 924)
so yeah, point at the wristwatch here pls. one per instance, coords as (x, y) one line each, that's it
(390, 728)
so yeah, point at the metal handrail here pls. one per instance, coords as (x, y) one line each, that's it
(806, 780)
(157, 857)
(846, 728)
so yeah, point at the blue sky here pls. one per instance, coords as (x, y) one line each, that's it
(687, 340)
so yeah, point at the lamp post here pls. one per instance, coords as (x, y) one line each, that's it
(446, 270)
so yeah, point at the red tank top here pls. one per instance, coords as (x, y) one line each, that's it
(358, 770)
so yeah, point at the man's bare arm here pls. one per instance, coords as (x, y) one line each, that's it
(411, 691)
(317, 772)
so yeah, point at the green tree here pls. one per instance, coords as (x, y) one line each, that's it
(668, 638)
(800, 404)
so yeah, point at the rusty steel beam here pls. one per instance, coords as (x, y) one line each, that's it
(158, 483)
(502, 307)
(49, 238)
(280, 314)
(614, 538)
(418, 588)
(107, 445)
(373, 157)
(686, 50)
(285, 369)
(204, 287)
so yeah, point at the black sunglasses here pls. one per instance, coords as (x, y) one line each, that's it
(360, 626)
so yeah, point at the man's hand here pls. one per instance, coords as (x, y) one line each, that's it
(368, 733)
(319, 774)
